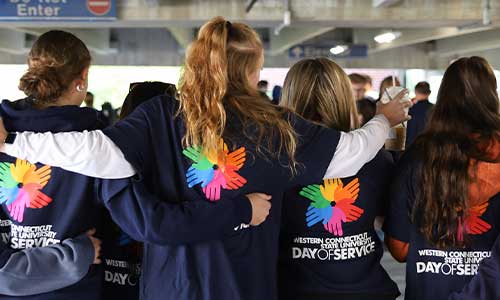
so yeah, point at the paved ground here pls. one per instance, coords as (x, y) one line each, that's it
(396, 271)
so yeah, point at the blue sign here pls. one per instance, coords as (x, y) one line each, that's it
(349, 51)
(57, 10)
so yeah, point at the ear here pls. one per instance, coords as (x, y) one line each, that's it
(85, 74)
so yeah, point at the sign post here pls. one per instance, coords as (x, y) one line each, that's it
(57, 10)
(307, 51)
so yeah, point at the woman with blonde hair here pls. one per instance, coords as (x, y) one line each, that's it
(328, 247)
(219, 140)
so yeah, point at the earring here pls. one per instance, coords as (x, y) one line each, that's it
(79, 88)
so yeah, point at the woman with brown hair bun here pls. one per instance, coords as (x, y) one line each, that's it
(46, 210)
(328, 245)
(445, 208)
(219, 140)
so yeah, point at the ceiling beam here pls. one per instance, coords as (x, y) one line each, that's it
(291, 36)
(97, 40)
(468, 44)
(384, 3)
(416, 36)
(352, 13)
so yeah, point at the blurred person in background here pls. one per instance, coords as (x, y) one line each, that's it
(335, 209)
(108, 114)
(419, 112)
(140, 92)
(89, 100)
(444, 214)
(388, 82)
(361, 84)
(366, 110)
(263, 87)
(124, 249)
(276, 94)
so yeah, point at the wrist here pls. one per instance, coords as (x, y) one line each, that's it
(243, 209)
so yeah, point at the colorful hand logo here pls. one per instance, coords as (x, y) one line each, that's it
(216, 170)
(334, 225)
(20, 187)
(332, 204)
(473, 223)
(315, 215)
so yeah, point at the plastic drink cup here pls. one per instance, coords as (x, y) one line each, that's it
(397, 135)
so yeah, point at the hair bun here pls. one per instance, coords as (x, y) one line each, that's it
(41, 83)
(56, 59)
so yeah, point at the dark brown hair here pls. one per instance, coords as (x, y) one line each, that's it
(55, 60)
(423, 87)
(465, 116)
(367, 108)
(386, 83)
(140, 92)
(359, 78)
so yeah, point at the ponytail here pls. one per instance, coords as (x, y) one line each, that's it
(216, 81)
(204, 83)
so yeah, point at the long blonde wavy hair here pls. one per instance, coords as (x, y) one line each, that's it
(216, 80)
(320, 91)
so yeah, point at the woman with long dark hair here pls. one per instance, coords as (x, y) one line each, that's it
(444, 216)
(219, 140)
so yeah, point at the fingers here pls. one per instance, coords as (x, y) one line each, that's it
(352, 184)
(96, 243)
(40, 200)
(260, 196)
(313, 220)
(338, 229)
(401, 95)
(261, 206)
(90, 232)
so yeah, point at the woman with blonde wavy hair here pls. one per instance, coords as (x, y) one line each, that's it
(335, 210)
(220, 140)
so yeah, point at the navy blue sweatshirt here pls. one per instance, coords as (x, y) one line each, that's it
(485, 285)
(419, 113)
(328, 245)
(432, 273)
(243, 265)
(46, 205)
(121, 258)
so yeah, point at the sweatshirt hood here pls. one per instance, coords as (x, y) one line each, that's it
(21, 115)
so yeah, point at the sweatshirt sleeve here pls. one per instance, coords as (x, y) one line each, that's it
(44, 269)
(109, 154)
(484, 285)
(397, 223)
(357, 147)
(147, 218)
(90, 153)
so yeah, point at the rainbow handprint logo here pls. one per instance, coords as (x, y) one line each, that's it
(332, 203)
(474, 225)
(216, 170)
(20, 187)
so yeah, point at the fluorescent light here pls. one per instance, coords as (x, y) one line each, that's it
(338, 49)
(387, 37)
